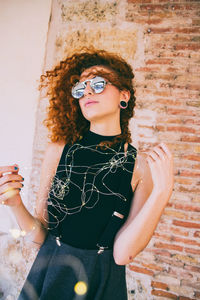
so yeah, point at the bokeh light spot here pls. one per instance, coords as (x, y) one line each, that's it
(80, 288)
(15, 233)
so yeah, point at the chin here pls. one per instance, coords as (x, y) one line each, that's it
(97, 115)
(93, 117)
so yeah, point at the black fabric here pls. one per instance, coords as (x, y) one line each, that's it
(59, 266)
(106, 188)
(57, 269)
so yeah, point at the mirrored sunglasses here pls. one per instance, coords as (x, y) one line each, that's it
(97, 84)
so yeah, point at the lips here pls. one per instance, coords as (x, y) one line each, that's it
(90, 102)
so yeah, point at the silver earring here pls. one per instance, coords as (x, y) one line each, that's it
(123, 104)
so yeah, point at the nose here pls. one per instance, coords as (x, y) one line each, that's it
(88, 89)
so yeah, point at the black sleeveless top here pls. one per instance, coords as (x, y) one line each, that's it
(90, 184)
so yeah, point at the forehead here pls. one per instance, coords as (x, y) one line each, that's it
(94, 70)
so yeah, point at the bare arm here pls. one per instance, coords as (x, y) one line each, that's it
(153, 184)
(34, 226)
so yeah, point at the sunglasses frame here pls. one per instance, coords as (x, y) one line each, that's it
(84, 83)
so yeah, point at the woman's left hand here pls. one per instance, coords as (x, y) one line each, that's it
(160, 160)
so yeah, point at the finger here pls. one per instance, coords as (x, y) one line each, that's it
(6, 169)
(166, 149)
(150, 160)
(159, 151)
(10, 178)
(153, 155)
(10, 186)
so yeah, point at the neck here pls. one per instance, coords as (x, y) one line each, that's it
(105, 129)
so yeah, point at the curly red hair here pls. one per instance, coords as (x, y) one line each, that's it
(65, 121)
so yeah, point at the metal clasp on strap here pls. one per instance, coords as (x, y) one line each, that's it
(115, 213)
(58, 241)
(101, 249)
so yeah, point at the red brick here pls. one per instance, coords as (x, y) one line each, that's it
(184, 181)
(185, 38)
(161, 30)
(164, 294)
(183, 112)
(175, 214)
(192, 121)
(169, 102)
(163, 236)
(192, 139)
(159, 285)
(191, 46)
(141, 270)
(146, 69)
(186, 241)
(159, 61)
(189, 174)
(187, 30)
(176, 239)
(160, 128)
(180, 147)
(164, 93)
(168, 246)
(153, 7)
(178, 231)
(153, 21)
(192, 251)
(192, 157)
(196, 167)
(187, 190)
(139, 1)
(153, 267)
(187, 207)
(186, 224)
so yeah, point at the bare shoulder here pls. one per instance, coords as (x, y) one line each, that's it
(49, 166)
(52, 148)
(53, 152)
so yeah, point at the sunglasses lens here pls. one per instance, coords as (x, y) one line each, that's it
(98, 86)
(78, 91)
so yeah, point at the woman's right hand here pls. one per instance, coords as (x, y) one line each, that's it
(10, 185)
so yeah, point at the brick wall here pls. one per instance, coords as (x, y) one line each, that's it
(161, 39)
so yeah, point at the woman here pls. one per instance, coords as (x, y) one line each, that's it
(98, 202)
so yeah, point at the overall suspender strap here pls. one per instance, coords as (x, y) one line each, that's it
(117, 219)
